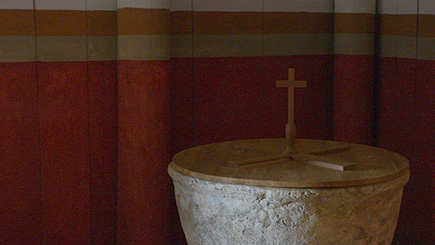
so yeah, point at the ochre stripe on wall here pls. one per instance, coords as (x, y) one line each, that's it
(426, 25)
(181, 22)
(354, 23)
(133, 21)
(219, 23)
(60, 23)
(398, 25)
(280, 22)
(227, 23)
(101, 23)
(17, 23)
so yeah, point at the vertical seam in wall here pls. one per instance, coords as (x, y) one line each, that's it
(38, 101)
(193, 95)
(91, 234)
(376, 77)
(416, 67)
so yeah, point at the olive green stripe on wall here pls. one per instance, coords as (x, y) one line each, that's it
(398, 46)
(61, 48)
(17, 48)
(143, 47)
(52, 49)
(298, 44)
(354, 43)
(102, 48)
(198, 46)
(227, 45)
(426, 50)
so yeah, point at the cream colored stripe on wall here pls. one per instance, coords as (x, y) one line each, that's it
(16, 4)
(401, 7)
(180, 5)
(426, 7)
(60, 4)
(355, 6)
(317, 6)
(106, 5)
(145, 4)
(228, 5)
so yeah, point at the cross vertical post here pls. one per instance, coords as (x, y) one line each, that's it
(291, 84)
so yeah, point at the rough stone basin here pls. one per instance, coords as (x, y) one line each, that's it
(220, 203)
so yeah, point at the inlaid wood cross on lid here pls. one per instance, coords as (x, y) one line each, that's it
(314, 158)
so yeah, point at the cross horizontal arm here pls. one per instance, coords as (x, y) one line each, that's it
(295, 84)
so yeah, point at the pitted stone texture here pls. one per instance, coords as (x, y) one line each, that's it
(221, 213)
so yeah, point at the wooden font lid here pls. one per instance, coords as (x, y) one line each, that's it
(215, 162)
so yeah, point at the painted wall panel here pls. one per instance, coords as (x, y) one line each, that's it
(21, 220)
(424, 162)
(103, 150)
(65, 151)
(143, 152)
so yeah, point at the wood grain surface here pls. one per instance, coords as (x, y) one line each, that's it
(214, 162)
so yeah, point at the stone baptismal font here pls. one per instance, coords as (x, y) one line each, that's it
(288, 191)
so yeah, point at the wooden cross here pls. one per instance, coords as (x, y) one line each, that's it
(314, 158)
(291, 84)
